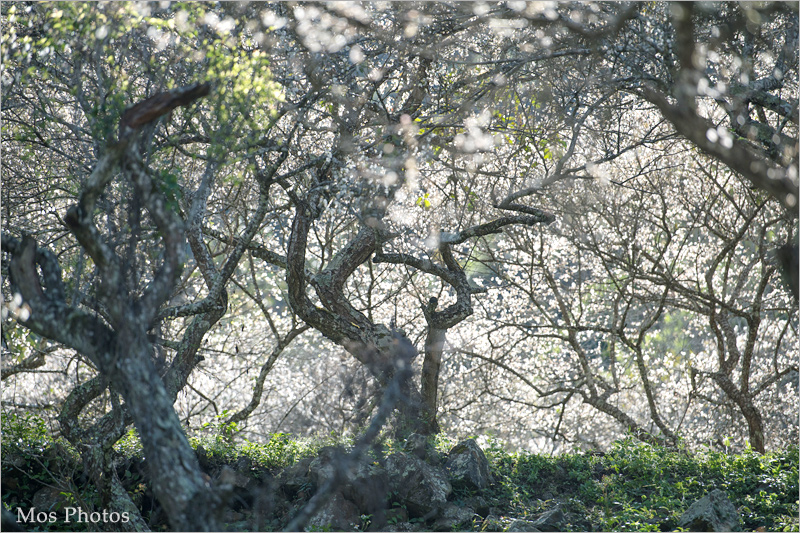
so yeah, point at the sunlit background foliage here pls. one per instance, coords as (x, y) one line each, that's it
(660, 262)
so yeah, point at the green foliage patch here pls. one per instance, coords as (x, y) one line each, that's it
(33, 460)
(632, 487)
(638, 487)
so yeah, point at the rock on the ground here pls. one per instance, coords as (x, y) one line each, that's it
(451, 516)
(480, 504)
(492, 523)
(366, 482)
(50, 499)
(295, 478)
(233, 478)
(367, 486)
(550, 520)
(712, 512)
(420, 487)
(416, 445)
(522, 525)
(468, 467)
(322, 467)
(338, 514)
(398, 526)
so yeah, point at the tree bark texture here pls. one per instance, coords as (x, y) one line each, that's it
(118, 346)
(434, 347)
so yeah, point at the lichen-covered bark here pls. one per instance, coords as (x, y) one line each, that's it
(122, 357)
(371, 344)
(755, 424)
(117, 344)
(338, 320)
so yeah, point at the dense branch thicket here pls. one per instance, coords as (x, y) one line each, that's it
(573, 220)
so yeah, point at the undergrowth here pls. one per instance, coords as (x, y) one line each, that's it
(638, 487)
(632, 487)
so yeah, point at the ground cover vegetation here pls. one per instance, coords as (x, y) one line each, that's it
(557, 223)
(631, 487)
